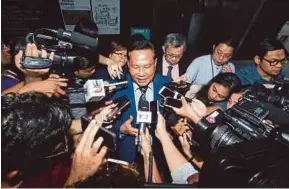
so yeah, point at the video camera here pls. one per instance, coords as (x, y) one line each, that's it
(247, 145)
(276, 94)
(71, 49)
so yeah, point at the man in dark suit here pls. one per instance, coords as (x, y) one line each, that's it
(172, 62)
(143, 86)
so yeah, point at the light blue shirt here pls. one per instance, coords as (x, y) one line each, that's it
(149, 93)
(203, 69)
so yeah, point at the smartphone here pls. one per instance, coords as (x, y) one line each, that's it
(109, 138)
(122, 104)
(173, 102)
(166, 92)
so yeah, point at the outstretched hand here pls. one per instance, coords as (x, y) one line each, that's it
(127, 128)
(88, 156)
(194, 110)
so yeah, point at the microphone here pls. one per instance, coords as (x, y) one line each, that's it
(77, 38)
(97, 89)
(144, 120)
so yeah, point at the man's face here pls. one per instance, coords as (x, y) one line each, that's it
(234, 98)
(119, 56)
(222, 53)
(217, 92)
(272, 63)
(173, 55)
(142, 66)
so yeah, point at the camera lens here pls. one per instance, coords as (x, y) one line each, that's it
(222, 136)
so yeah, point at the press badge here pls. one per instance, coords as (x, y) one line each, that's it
(144, 117)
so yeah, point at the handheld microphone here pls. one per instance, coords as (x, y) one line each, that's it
(96, 89)
(144, 120)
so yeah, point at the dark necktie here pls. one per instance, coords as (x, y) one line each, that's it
(170, 71)
(143, 104)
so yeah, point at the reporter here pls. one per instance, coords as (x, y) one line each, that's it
(34, 140)
(218, 89)
(10, 75)
(49, 86)
(88, 27)
(117, 53)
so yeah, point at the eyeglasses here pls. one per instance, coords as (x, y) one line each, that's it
(174, 56)
(123, 55)
(275, 62)
(60, 149)
(220, 53)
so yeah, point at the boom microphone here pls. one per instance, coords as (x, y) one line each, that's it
(77, 38)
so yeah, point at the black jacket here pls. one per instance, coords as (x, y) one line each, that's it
(183, 64)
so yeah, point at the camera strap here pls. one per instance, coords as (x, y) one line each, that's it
(35, 63)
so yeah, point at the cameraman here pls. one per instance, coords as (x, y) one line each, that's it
(34, 77)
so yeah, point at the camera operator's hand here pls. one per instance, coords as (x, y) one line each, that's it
(114, 69)
(32, 51)
(88, 156)
(161, 130)
(126, 127)
(193, 111)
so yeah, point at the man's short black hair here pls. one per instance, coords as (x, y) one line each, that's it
(32, 125)
(142, 45)
(269, 45)
(226, 39)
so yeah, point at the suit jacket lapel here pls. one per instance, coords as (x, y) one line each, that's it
(130, 95)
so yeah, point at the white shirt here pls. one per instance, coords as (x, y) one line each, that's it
(203, 69)
(137, 93)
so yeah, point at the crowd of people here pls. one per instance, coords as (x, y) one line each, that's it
(44, 145)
